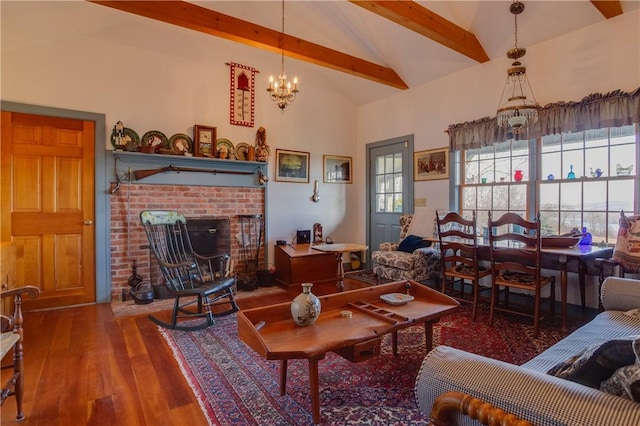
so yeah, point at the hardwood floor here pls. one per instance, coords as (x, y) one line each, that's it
(85, 367)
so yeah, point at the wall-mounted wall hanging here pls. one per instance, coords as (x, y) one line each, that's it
(242, 94)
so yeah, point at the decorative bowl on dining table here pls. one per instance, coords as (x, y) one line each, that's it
(558, 241)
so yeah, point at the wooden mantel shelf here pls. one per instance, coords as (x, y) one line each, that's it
(228, 172)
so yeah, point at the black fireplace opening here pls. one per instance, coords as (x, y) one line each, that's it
(210, 236)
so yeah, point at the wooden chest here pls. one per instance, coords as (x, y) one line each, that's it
(299, 263)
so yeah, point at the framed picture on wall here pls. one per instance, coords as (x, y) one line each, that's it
(431, 164)
(292, 166)
(336, 169)
(204, 141)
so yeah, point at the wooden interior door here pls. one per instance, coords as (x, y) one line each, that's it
(47, 191)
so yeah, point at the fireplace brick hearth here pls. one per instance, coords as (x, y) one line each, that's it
(129, 243)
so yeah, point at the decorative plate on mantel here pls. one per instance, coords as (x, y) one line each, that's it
(129, 135)
(181, 143)
(156, 139)
(242, 151)
(231, 152)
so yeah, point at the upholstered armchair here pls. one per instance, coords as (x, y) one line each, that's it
(392, 263)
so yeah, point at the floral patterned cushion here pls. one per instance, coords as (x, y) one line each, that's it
(395, 259)
(405, 221)
(425, 264)
(388, 246)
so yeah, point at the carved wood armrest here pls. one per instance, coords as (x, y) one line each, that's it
(14, 320)
(450, 402)
(28, 289)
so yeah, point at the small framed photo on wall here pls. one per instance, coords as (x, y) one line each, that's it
(292, 166)
(204, 141)
(431, 164)
(336, 169)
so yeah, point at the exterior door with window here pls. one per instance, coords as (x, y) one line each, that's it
(390, 183)
(47, 181)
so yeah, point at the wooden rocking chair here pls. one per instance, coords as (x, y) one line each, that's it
(188, 275)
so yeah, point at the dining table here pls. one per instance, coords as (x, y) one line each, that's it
(580, 253)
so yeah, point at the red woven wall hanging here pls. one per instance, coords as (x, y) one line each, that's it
(242, 94)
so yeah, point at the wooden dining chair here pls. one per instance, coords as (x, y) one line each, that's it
(515, 247)
(12, 337)
(458, 240)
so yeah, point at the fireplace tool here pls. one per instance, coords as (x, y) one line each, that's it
(250, 242)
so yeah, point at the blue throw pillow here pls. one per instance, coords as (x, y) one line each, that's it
(413, 242)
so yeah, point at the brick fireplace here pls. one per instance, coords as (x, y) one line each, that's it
(128, 241)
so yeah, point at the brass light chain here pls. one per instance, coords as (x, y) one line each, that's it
(282, 42)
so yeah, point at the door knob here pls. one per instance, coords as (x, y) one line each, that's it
(88, 222)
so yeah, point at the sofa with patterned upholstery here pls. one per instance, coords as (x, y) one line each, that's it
(591, 377)
(420, 262)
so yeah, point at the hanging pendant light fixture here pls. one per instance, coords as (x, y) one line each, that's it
(518, 106)
(282, 92)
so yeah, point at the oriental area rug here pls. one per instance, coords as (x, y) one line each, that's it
(235, 386)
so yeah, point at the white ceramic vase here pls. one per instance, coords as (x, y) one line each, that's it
(305, 308)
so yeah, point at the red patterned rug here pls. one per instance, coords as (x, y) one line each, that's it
(235, 386)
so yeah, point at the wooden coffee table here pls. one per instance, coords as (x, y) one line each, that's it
(271, 332)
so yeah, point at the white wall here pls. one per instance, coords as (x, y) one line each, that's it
(63, 55)
(138, 72)
(596, 59)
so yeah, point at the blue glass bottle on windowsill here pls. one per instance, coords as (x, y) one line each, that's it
(586, 237)
(571, 174)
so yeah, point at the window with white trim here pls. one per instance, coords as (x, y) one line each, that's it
(388, 172)
(495, 179)
(575, 180)
(586, 179)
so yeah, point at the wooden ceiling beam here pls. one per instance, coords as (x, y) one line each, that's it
(609, 9)
(415, 17)
(194, 17)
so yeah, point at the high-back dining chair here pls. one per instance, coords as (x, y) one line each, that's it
(515, 247)
(458, 240)
(201, 280)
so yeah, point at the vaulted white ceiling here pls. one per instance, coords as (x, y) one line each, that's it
(355, 31)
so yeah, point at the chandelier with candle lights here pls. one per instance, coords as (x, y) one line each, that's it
(282, 92)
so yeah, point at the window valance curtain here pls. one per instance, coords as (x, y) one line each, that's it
(596, 111)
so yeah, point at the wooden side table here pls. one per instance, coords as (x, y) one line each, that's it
(339, 249)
